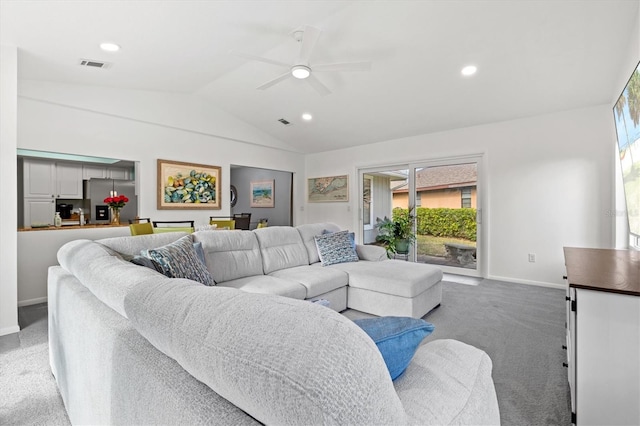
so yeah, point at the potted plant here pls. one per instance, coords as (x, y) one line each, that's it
(396, 234)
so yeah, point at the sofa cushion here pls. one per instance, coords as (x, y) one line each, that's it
(266, 284)
(230, 254)
(397, 277)
(281, 247)
(315, 280)
(397, 339)
(281, 360)
(336, 247)
(180, 260)
(308, 233)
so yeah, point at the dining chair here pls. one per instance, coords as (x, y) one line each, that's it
(141, 228)
(139, 220)
(173, 226)
(222, 222)
(243, 220)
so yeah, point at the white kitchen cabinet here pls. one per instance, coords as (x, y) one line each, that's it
(603, 335)
(39, 211)
(118, 173)
(68, 181)
(90, 171)
(47, 179)
(39, 179)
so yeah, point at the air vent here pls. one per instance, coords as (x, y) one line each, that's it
(94, 64)
(285, 122)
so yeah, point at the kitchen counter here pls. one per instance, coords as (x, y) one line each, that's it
(67, 227)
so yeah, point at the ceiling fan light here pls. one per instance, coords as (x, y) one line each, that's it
(300, 71)
(469, 70)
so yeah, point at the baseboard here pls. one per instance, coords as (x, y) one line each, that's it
(9, 330)
(527, 282)
(32, 301)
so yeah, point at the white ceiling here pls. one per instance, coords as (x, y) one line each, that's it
(533, 57)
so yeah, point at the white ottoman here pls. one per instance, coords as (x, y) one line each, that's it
(393, 287)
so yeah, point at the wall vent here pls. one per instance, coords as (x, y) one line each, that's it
(285, 122)
(94, 64)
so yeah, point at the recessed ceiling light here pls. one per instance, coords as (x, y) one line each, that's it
(307, 116)
(469, 70)
(300, 71)
(109, 47)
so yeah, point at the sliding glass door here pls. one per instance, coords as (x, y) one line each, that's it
(443, 198)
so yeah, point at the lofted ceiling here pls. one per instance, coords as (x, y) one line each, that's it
(533, 57)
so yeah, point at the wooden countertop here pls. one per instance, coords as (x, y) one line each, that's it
(62, 228)
(608, 270)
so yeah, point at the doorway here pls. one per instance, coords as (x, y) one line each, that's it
(443, 198)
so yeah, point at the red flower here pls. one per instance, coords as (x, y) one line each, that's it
(117, 202)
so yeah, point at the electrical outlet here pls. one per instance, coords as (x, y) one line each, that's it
(532, 257)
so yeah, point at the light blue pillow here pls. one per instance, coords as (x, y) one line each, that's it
(397, 339)
(180, 260)
(335, 248)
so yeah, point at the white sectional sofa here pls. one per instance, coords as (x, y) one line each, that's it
(284, 260)
(131, 346)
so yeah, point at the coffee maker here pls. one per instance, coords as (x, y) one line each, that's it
(65, 210)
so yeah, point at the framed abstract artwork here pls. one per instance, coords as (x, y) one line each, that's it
(328, 189)
(262, 193)
(188, 186)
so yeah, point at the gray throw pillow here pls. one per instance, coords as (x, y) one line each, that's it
(180, 260)
(335, 248)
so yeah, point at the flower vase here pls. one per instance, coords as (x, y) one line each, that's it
(115, 216)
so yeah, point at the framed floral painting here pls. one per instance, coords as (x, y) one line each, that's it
(188, 186)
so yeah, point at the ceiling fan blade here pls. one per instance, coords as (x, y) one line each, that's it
(345, 66)
(318, 86)
(258, 58)
(309, 40)
(275, 81)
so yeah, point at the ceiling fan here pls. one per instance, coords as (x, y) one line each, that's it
(301, 68)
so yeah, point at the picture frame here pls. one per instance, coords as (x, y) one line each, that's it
(328, 189)
(188, 186)
(262, 194)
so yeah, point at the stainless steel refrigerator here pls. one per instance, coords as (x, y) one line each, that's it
(96, 190)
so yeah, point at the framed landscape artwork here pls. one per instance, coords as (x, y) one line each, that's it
(188, 186)
(328, 189)
(262, 193)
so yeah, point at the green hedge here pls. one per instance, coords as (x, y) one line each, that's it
(443, 222)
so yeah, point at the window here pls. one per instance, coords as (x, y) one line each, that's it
(465, 194)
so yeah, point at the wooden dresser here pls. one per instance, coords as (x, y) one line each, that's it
(603, 335)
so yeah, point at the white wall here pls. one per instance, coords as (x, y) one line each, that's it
(548, 183)
(143, 127)
(8, 170)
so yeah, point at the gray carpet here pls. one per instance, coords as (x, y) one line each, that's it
(29, 392)
(520, 327)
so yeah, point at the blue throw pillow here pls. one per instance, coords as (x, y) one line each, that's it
(397, 339)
